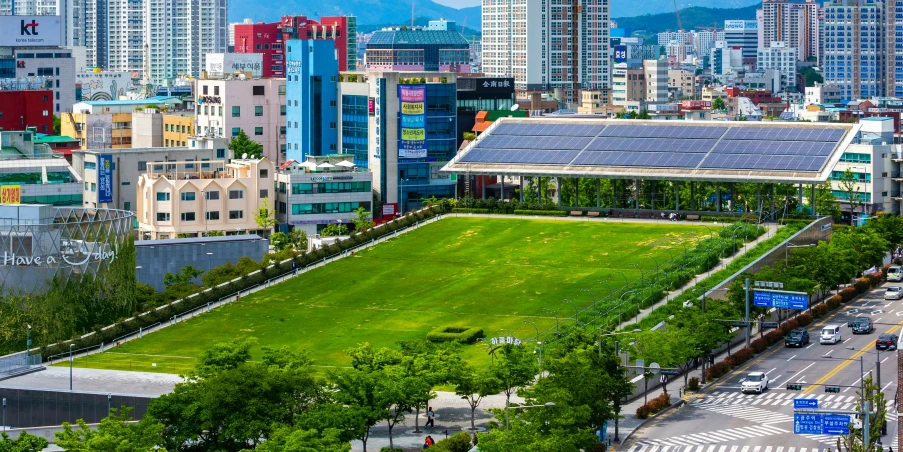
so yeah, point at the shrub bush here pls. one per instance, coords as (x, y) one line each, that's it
(759, 345)
(834, 302)
(862, 285)
(542, 213)
(804, 319)
(774, 336)
(792, 324)
(643, 412)
(460, 210)
(819, 310)
(693, 384)
(875, 279)
(741, 356)
(847, 294)
(654, 406)
(459, 442)
(460, 334)
(720, 369)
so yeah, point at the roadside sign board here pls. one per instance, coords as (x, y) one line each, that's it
(740, 324)
(836, 424)
(805, 403)
(769, 325)
(781, 299)
(807, 424)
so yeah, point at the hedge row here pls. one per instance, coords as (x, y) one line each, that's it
(455, 334)
(861, 285)
(542, 213)
(654, 406)
(110, 333)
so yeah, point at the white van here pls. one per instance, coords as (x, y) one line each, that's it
(895, 274)
(830, 334)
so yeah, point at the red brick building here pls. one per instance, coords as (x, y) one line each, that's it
(31, 108)
(269, 39)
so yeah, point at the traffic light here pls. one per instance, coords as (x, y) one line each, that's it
(833, 389)
(794, 387)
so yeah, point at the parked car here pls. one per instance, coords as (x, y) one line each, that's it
(895, 273)
(830, 335)
(893, 293)
(886, 342)
(862, 325)
(754, 382)
(797, 338)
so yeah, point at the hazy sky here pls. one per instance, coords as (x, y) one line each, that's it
(459, 3)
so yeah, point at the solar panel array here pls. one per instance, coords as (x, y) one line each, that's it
(728, 147)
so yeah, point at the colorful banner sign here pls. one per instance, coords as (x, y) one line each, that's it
(11, 194)
(104, 178)
(412, 138)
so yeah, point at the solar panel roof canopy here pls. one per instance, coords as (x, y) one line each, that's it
(726, 151)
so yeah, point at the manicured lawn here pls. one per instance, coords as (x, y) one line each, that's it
(488, 273)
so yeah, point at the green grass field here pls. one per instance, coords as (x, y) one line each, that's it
(488, 273)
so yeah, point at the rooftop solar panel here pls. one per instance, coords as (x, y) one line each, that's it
(650, 144)
(649, 131)
(784, 134)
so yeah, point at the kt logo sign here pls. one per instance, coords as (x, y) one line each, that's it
(29, 29)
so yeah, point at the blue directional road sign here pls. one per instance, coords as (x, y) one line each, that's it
(836, 424)
(805, 403)
(780, 299)
(807, 424)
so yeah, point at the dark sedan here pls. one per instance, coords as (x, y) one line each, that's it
(862, 325)
(886, 342)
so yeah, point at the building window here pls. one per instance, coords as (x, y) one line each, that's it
(281, 130)
(142, 166)
(258, 110)
(188, 196)
(236, 111)
(90, 165)
(220, 153)
(187, 216)
(282, 110)
(213, 215)
(264, 194)
(282, 89)
(128, 205)
(257, 90)
(264, 173)
(216, 90)
(236, 194)
(162, 196)
(204, 89)
(162, 216)
(212, 195)
(258, 131)
(236, 131)
(236, 214)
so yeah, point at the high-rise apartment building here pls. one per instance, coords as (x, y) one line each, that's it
(856, 53)
(179, 33)
(795, 22)
(743, 34)
(547, 45)
(702, 40)
(125, 39)
(782, 58)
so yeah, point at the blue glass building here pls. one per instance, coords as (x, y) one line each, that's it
(312, 73)
(355, 127)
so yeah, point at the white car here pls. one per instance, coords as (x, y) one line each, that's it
(754, 382)
(893, 293)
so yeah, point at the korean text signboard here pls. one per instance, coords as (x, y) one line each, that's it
(821, 424)
(807, 424)
(780, 299)
(11, 194)
(104, 178)
(412, 139)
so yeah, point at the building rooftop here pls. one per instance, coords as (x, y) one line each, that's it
(416, 36)
(148, 101)
(54, 139)
(192, 240)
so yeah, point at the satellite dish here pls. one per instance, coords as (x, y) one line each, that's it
(515, 107)
(244, 156)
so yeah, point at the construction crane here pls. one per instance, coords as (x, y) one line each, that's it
(677, 13)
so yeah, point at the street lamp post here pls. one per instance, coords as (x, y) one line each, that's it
(27, 342)
(642, 274)
(618, 403)
(877, 366)
(576, 311)
(109, 403)
(70, 365)
(556, 318)
(622, 301)
(208, 262)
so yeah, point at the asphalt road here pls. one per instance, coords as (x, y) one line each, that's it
(721, 419)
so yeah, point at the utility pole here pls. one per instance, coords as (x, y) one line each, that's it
(748, 325)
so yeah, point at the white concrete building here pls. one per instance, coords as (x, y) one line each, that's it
(875, 162)
(743, 34)
(257, 106)
(656, 72)
(530, 40)
(56, 65)
(725, 60)
(130, 164)
(179, 33)
(310, 198)
(781, 58)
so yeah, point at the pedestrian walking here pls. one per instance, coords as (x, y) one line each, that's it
(695, 363)
(711, 359)
(429, 418)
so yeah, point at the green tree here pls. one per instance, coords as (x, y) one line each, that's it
(56, 125)
(25, 442)
(718, 104)
(115, 433)
(827, 264)
(812, 76)
(459, 442)
(265, 216)
(362, 221)
(432, 364)
(287, 439)
(889, 226)
(334, 230)
(855, 441)
(669, 348)
(280, 241)
(223, 356)
(356, 389)
(184, 276)
(513, 367)
(215, 234)
(298, 238)
(397, 393)
(848, 181)
(146, 296)
(242, 144)
(473, 385)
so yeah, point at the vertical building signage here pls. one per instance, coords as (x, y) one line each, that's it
(104, 178)
(11, 194)
(412, 140)
(377, 113)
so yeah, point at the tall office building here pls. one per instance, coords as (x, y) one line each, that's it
(782, 58)
(795, 22)
(179, 33)
(743, 34)
(856, 53)
(312, 73)
(125, 39)
(702, 41)
(546, 45)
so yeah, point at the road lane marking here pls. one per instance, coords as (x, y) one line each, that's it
(772, 370)
(788, 359)
(848, 340)
(829, 352)
(810, 346)
(885, 359)
(798, 373)
(885, 386)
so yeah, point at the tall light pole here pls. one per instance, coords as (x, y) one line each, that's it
(70, 365)
(27, 342)
(877, 365)
(556, 318)
(576, 311)
(622, 301)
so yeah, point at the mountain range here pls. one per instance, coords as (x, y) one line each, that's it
(693, 18)
(374, 12)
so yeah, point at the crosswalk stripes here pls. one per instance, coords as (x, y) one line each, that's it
(656, 448)
(716, 436)
(753, 414)
(825, 401)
